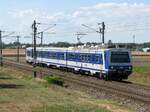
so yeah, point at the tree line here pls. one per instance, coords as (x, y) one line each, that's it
(132, 46)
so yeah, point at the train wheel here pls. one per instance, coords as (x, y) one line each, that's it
(106, 78)
(76, 72)
(119, 79)
(101, 76)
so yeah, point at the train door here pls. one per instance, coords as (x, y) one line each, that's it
(66, 58)
(106, 60)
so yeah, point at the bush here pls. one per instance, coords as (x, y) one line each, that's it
(54, 80)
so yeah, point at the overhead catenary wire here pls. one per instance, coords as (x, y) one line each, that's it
(112, 27)
(101, 30)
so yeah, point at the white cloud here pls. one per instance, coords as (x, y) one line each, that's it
(119, 18)
(106, 5)
(120, 8)
(111, 13)
(122, 13)
(77, 13)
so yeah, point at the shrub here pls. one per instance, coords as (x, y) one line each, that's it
(54, 80)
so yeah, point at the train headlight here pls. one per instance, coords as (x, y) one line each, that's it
(130, 68)
(111, 67)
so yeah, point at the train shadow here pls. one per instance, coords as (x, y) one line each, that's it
(123, 81)
(6, 85)
(6, 78)
(10, 86)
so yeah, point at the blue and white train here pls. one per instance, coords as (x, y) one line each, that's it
(109, 63)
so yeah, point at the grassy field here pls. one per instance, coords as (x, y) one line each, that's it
(21, 59)
(141, 70)
(19, 92)
(141, 61)
(140, 75)
(13, 51)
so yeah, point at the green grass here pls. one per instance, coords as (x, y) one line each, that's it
(140, 75)
(54, 80)
(19, 92)
(141, 69)
(143, 79)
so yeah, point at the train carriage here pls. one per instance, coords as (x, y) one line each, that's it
(113, 63)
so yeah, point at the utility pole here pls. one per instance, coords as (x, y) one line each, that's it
(101, 30)
(79, 36)
(1, 55)
(18, 48)
(41, 39)
(134, 39)
(134, 42)
(34, 27)
(1, 46)
(42, 33)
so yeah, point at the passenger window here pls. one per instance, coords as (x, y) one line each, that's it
(46, 54)
(93, 58)
(52, 55)
(85, 58)
(61, 56)
(28, 53)
(101, 58)
(82, 58)
(88, 58)
(96, 59)
(71, 56)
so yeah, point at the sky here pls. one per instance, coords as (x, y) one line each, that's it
(124, 19)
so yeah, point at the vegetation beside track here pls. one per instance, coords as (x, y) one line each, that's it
(140, 75)
(54, 80)
(19, 92)
(141, 69)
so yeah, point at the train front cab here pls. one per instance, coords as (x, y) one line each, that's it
(29, 55)
(118, 64)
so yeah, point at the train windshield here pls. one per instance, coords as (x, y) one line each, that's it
(120, 57)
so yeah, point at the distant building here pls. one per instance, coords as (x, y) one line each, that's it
(146, 49)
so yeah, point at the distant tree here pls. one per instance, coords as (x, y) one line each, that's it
(146, 44)
(62, 44)
(27, 45)
(110, 42)
(16, 43)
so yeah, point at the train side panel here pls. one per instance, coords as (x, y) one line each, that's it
(101, 62)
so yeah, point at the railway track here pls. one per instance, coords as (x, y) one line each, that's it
(135, 92)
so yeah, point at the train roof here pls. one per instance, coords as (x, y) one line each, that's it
(77, 49)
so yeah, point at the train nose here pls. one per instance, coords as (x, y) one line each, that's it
(120, 67)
